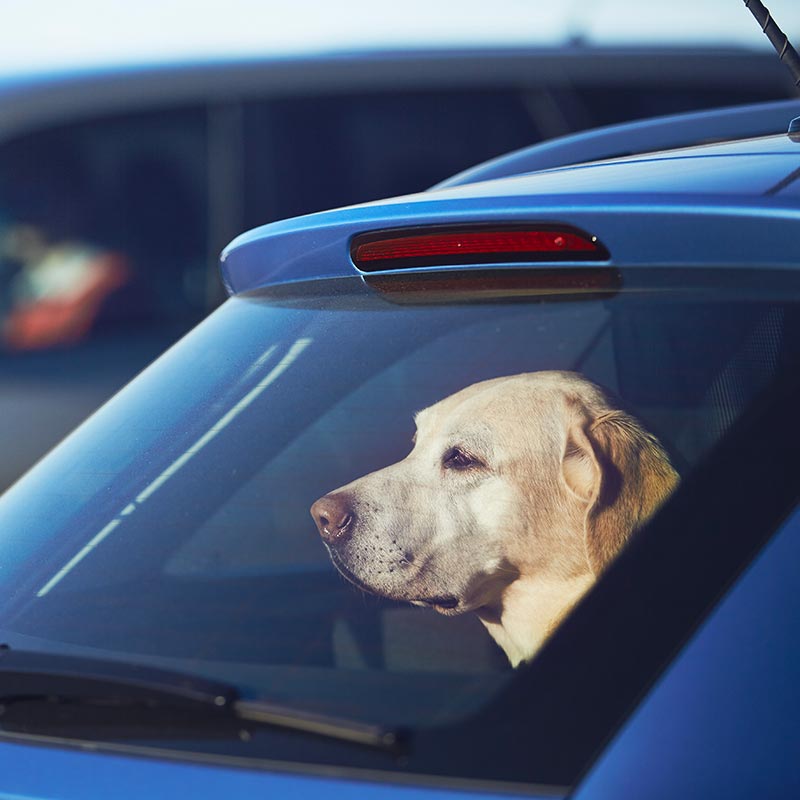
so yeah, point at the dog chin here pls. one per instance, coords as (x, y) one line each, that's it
(445, 604)
(347, 573)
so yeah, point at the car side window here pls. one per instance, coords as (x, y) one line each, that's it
(99, 223)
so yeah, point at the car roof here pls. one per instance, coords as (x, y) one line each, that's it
(36, 99)
(635, 137)
(746, 168)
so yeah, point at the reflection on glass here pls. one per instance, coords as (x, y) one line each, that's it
(54, 296)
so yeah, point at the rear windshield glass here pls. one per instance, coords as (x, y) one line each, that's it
(362, 504)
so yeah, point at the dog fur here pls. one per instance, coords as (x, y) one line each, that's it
(517, 494)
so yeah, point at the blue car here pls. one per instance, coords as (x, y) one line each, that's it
(490, 490)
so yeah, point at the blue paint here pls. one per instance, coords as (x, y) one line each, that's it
(723, 721)
(46, 773)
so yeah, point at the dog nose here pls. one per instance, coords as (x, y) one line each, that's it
(334, 517)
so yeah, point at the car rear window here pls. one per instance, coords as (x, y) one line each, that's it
(175, 527)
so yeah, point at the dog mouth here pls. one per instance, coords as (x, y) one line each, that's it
(443, 603)
(440, 603)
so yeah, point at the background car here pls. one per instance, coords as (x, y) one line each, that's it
(123, 172)
(166, 598)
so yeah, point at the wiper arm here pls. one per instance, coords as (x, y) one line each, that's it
(265, 713)
(78, 682)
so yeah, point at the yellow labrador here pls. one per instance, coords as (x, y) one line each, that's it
(517, 494)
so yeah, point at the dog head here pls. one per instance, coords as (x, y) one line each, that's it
(533, 476)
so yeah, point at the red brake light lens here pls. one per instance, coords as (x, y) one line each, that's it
(482, 245)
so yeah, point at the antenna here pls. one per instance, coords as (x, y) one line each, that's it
(780, 41)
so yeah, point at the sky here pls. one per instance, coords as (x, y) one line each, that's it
(38, 35)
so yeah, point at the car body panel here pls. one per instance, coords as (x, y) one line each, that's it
(35, 771)
(722, 721)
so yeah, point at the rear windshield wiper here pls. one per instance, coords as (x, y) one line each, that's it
(66, 684)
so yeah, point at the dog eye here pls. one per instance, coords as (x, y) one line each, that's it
(456, 458)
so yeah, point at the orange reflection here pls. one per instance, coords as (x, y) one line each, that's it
(60, 296)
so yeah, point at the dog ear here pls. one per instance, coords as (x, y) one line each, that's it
(622, 473)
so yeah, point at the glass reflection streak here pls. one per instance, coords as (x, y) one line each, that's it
(291, 356)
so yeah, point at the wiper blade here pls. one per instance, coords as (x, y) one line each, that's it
(82, 683)
(28, 673)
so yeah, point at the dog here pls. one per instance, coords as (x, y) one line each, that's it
(517, 494)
